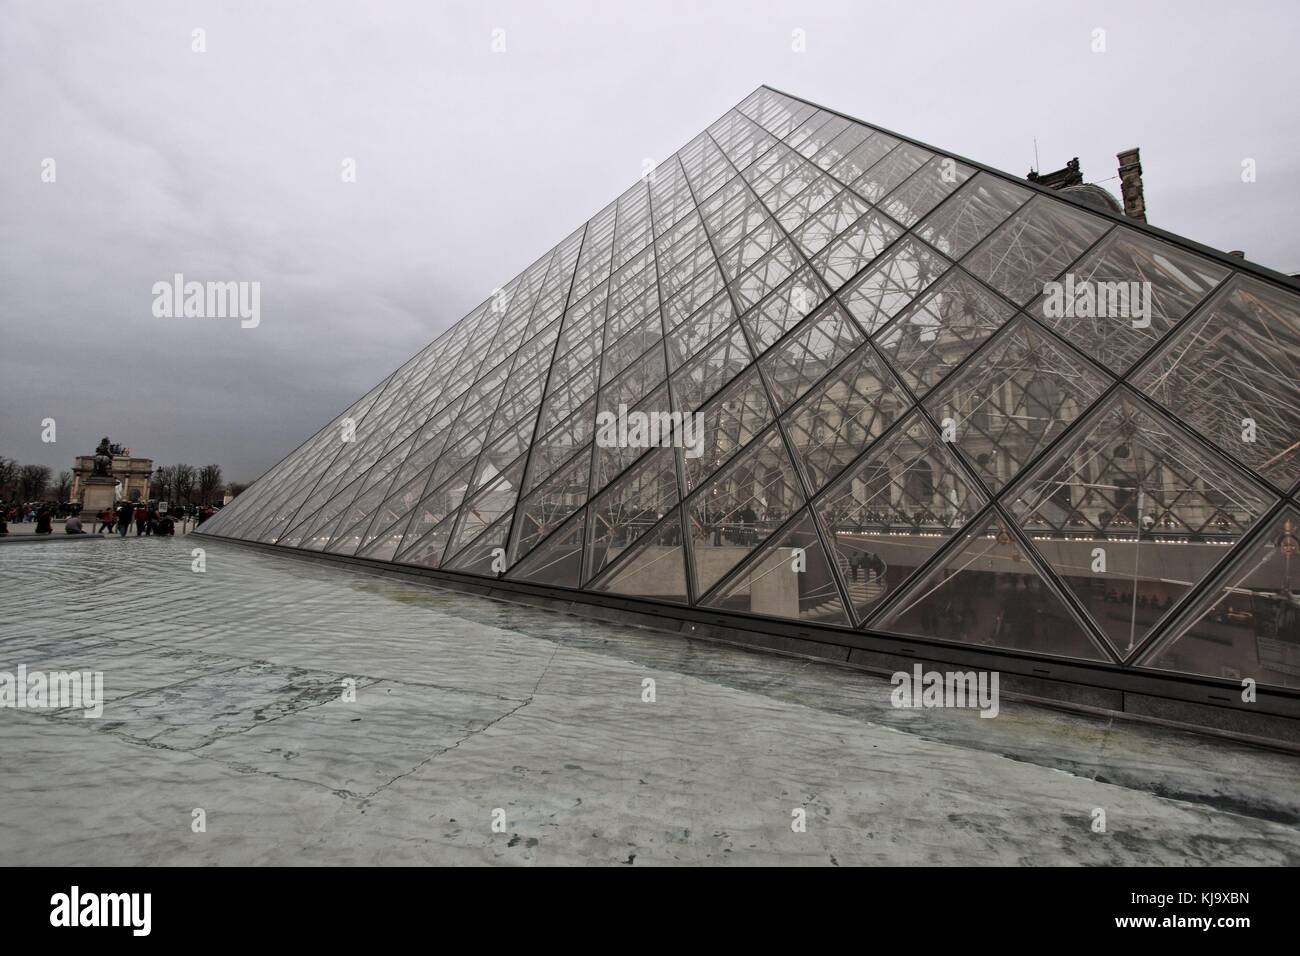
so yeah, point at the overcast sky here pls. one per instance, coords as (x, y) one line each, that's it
(226, 165)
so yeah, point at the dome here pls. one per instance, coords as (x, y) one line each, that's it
(1094, 196)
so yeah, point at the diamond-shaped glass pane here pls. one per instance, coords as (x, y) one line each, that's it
(1012, 399)
(1132, 514)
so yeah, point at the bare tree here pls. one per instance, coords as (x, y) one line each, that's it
(32, 482)
(209, 482)
(162, 483)
(236, 488)
(183, 482)
(8, 479)
(63, 487)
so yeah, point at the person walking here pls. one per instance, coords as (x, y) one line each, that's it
(105, 521)
(123, 519)
(141, 519)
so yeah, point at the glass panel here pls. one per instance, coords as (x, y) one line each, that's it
(785, 308)
(740, 507)
(829, 221)
(861, 243)
(810, 352)
(556, 561)
(851, 408)
(428, 551)
(625, 438)
(544, 510)
(437, 505)
(904, 160)
(863, 156)
(894, 282)
(1248, 624)
(790, 578)
(691, 336)
(1125, 295)
(486, 555)
(1034, 247)
(1132, 515)
(486, 507)
(1012, 399)
(729, 422)
(1231, 374)
(985, 591)
(895, 509)
(979, 207)
(947, 324)
(654, 568)
(630, 507)
(926, 188)
(717, 365)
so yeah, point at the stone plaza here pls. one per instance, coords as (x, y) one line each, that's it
(274, 710)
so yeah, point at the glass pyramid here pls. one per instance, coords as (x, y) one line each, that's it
(811, 370)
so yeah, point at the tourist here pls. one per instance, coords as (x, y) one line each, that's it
(43, 521)
(105, 521)
(4, 524)
(73, 525)
(123, 519)
(141, 519)
(165, 524)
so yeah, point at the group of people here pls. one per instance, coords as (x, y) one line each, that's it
(146, 518)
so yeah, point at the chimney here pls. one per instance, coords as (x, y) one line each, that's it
(1130, 184)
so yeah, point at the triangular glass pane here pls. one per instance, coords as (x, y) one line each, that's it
(623, 438)
(945, 325)
(811, 351)
(985, 591)
(486, 555)
(715, 366)
(894, 509)
(849, 253)
(428, 551)
(1248, 624)
(1012, 399)
(439, 504)
(925, 189)
(790, 577)
(652, 568)
(724, 426)
(851, 408)
(551, 504)
(630, 507)
(891, 284)
(957, 226)
(1034, 247)
(736, 510)
(1132, 515)
(1231, 374)
(487, 506)
(556, 447)
(557, 561)
(1124, 296)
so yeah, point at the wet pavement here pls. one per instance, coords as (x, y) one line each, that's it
(309, 713)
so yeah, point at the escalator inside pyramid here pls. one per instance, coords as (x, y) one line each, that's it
(813, 373)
